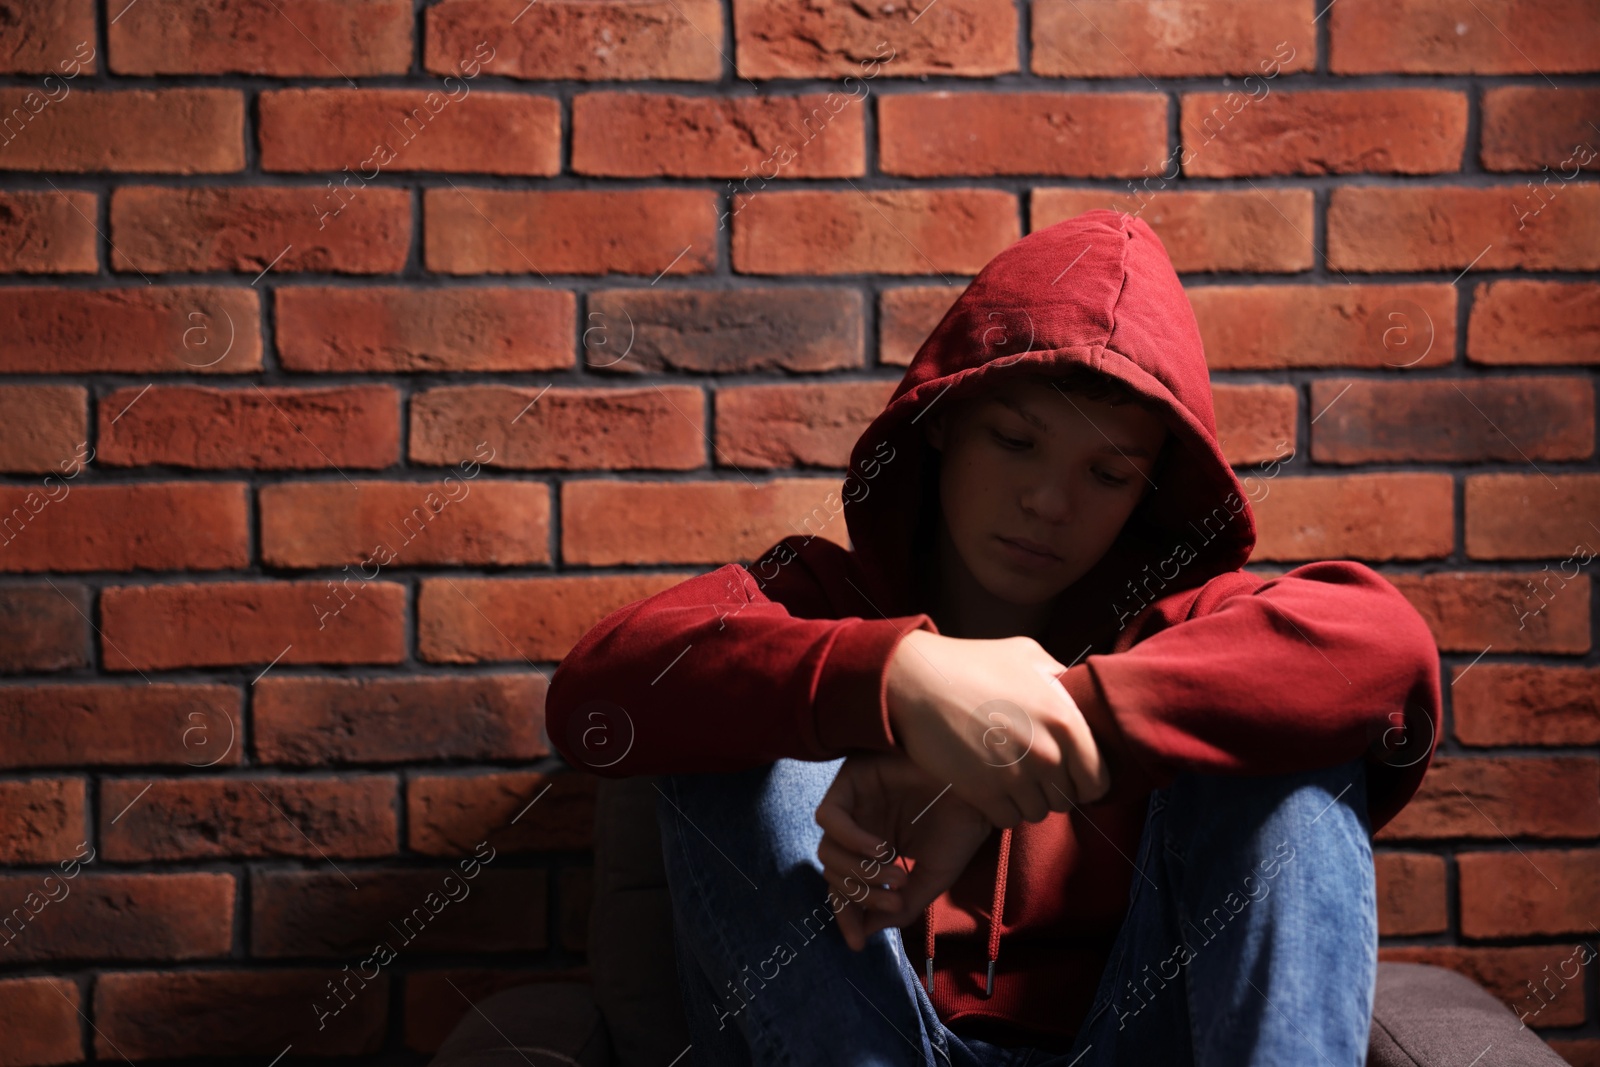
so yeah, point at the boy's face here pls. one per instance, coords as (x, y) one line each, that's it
(1065, 479)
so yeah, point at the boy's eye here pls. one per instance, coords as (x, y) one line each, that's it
(1112, 480)
(1009, 442)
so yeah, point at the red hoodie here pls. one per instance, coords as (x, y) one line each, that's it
(1179, 660)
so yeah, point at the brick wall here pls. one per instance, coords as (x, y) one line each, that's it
(328, 425)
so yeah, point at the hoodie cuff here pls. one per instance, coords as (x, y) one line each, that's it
(852, 702)
(1129, 779)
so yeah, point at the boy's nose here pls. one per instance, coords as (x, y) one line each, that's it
(1050, 501)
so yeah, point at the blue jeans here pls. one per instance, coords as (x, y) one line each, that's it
(1279, 970)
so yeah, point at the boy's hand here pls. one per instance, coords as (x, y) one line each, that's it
(990, 717)
(881, 809)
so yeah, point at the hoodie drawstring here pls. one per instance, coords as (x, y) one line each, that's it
(996, 911)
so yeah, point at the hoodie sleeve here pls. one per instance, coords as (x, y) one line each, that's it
(729, 670)
(1319, 666)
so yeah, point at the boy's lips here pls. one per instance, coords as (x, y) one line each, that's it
(1031, 546)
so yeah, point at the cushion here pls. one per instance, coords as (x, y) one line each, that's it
(546, 1024)
(1426, 1016)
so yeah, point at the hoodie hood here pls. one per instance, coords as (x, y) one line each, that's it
(1094, 291)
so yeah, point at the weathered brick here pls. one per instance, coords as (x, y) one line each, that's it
(44, 819)
(254, 818)
(44, 627)
(756, 138)
(1373, 228)
(282, 38)
(570, 231)
(1485, 798)
(1521, 704)
(120, 916)
(1525, 979)
(1411, 894)
(402, 330)
(1152, 38)
(723, 331)
(131, 526)
(404, 524)
(1266, 231)
(39, 1016)
(605, 523)
(1530, 516)
(1528, 892)
(893, 231)
(318, 721)
(251, 427)
(1463, 37)
(48, 233)
(152, 131)
(121, 725)
(1268, 327)
(444, 129)
(795, 425)
(907, 314)
(1362, 516)
(1255, 423)
(188, 329)
(44, 37)
(1527, 127)
(1385, 131)
(573, 429)
(1084, 135)
(607, 40)
(965, 38)
(236, 623)
(552, 812)
(41, 425)
(1532, 322)
(526, 620)
(247, 228)
(1469, 610)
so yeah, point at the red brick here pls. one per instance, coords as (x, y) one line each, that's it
(1151, 38)
(404, 524)
(965, 38)
(144, 526)
(1411, 894)
(282, 38)
(1373, 228)
(48, 233)
(1255, 423)
(44, 37)
(121, 725)
(1082, 135)
(604, 40)
(571, 231)
(756, 138)
(43, 817)
(1583, 1053)
(437, 1000)
(653, 428)
(249, 818)
(246, 228)
(723, 331)
(1271, 327)
(1476, 420)
(1528, 127)
(812, 425)
(1388, 131)
(1531, 322)
(1266, 231)
(41, 425)
(320, 721)
(1510, 974)
(39, 1017)
(552, 812)
(471, 620)
(1362, 516)
(151, 131)
(907, 314)
(401, 330)
(159, 1014)
(1463, 37)
(894, 231)
(1485, 798)
(1528, 892)
(250, 427)
(44, 628)
(1530, 516)
(219, 624)
(119, 916)
(450, 129)
(1470, 610)
(605, 523)
(189, 329)
(1522, 704)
